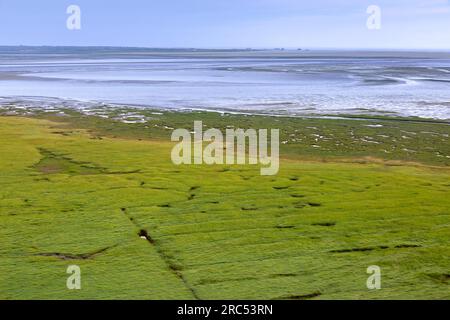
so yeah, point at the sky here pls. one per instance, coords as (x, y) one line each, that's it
(405, 24)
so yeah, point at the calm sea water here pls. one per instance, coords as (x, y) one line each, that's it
(279, 82)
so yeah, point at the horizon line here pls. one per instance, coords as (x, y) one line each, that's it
(229, 48)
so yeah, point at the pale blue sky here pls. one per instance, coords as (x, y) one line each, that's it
(416, 24)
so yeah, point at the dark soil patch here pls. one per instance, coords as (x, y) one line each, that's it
(283, 275)
(249, 208)
(299, 205)
(324, 224)
(405, 246)
(284, 227)
(300, 297)
(71, 256)
(314, 204)
(191, 197)
(280, 188)
(54, 163)
(359, 249)
(442, 278)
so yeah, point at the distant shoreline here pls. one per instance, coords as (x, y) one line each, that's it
(225, 49)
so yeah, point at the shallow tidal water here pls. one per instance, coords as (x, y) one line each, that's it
(293, 82)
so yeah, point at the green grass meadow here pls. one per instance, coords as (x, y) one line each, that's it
(80, 193)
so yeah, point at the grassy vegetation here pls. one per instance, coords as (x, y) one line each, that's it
(395, 139)
(105, 195)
